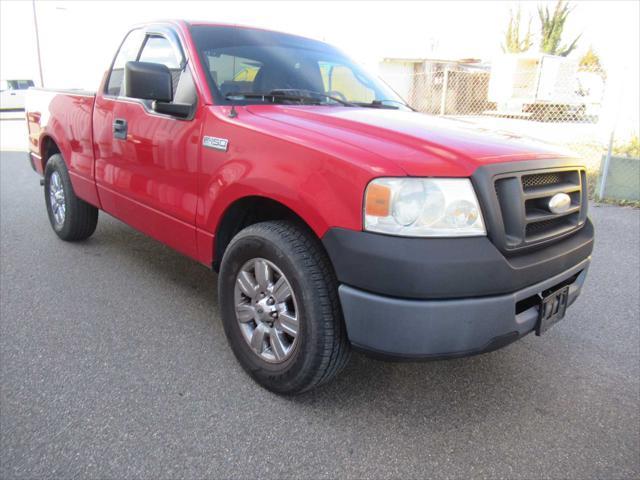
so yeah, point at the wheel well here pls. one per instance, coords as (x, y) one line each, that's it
(48, 148)
(245, 212)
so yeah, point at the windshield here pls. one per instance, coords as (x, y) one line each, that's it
(245, 65)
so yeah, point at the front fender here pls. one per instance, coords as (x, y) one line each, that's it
(320, 202)
(319, 178)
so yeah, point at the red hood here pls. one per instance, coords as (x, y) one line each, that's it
(419, 144)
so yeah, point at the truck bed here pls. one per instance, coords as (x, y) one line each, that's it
(65, 115)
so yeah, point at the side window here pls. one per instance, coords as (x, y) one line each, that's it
(128, 52)
(232, 74)
(159, 50)
(24, 84)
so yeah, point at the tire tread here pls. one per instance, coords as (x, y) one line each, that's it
(334, 351)
(82, 216)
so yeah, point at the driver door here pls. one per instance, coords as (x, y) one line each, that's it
(146, 162)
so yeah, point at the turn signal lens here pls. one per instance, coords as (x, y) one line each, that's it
(377, 200)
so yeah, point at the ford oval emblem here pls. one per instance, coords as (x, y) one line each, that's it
(560, 203)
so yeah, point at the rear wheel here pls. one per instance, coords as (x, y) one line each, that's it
(71, 217)
(280, 308)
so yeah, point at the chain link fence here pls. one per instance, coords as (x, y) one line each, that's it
(549, 98)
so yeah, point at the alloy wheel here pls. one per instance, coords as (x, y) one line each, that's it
(266, 310)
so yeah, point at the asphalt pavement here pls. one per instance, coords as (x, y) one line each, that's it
(113, 364)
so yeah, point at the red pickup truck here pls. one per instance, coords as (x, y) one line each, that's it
(336, 216)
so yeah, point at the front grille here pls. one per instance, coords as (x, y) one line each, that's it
(524, 198)
(540, 179)
(539, 227)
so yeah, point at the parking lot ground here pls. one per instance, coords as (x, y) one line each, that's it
(13, 131)
(113, 364)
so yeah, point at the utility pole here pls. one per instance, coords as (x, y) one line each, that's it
(35, 24)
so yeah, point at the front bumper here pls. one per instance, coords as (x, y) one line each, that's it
(435, 298)
(446, 328)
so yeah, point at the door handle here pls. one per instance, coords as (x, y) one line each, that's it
(120, 129)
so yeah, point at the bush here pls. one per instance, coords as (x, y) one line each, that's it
(627, 149)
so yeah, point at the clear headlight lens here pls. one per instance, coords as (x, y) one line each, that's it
(423, 207)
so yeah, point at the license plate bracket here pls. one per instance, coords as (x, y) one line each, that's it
(552, 309)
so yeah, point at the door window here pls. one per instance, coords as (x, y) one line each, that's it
(158, 49)
(128, 52)
(25, 84)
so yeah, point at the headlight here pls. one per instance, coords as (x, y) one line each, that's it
(423, 207)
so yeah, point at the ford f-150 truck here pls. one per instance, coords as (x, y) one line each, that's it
(335, 216)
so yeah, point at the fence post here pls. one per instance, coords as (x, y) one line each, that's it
(605, 166)
(445, 87)
(617, 112)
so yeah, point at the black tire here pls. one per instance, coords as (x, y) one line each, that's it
(323, 349)
(80, 218)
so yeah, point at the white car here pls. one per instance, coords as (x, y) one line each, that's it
(12, 93)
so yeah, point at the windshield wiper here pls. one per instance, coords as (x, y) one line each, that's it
(383, 104)
(311, 93)
(302, 96)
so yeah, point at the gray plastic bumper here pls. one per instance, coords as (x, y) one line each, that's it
(445, 328)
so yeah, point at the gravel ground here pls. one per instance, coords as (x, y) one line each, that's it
(114, 364)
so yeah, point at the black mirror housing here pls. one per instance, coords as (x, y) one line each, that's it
(182, 110)
(148, 81)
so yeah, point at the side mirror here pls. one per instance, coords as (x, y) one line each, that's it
(148, 81)
(182, 110)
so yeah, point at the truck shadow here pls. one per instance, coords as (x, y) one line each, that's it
(116, 238)
(402, 391)
(466, 388)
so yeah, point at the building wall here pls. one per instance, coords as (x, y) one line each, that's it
(399, 76)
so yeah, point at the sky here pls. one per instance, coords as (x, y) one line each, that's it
(78, 38)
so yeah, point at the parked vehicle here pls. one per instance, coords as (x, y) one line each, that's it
(12, 93)
(335, 216)
(541, 87)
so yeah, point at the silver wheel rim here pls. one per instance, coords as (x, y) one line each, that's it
(57, 198)
(266, 310)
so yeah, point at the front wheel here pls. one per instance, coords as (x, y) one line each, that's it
(71, 217)
(280, 309)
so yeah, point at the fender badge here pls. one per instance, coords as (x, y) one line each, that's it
(215, 143)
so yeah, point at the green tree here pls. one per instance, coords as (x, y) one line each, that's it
(552, 26)
(512, 41)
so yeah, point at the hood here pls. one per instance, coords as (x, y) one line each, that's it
(419, 144)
